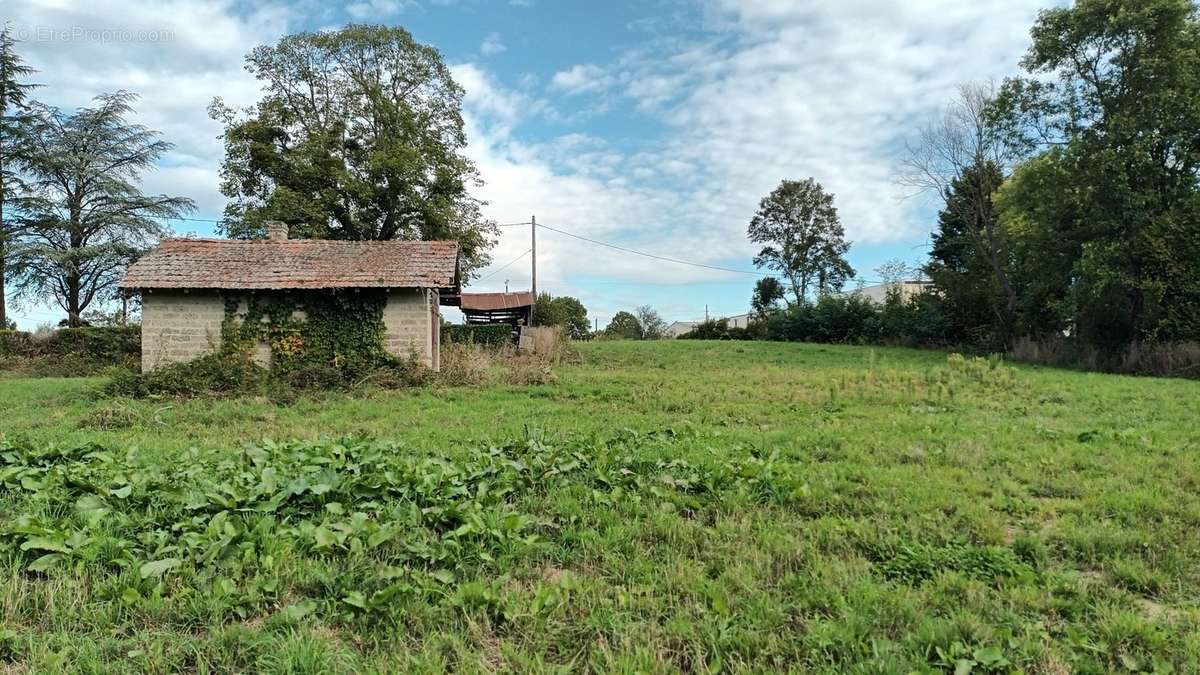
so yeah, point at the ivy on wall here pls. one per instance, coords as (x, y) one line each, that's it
(304, 329)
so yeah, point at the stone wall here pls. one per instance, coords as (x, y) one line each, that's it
(178, 326)
(407, 321)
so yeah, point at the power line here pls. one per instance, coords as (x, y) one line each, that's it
(652, 255)
(506, 265)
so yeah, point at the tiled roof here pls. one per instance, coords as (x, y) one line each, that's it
(492, 301)
(295, 263)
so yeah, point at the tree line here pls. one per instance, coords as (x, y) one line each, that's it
(1069, 196)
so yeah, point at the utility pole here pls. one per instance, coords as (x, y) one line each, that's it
(533, 242)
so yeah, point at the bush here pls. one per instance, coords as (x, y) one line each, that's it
(14, 343)
(215, 374)
(68, 352)
(487, 334)
(108, 344)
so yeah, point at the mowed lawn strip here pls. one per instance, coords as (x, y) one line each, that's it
(662, 506)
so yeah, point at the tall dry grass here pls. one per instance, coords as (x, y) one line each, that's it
(472, 364)
(1176, 359)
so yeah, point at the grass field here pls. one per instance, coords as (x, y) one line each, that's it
(695, 506)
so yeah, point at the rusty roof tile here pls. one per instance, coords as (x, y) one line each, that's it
(295, 263)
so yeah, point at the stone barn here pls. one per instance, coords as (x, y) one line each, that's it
(194, 290)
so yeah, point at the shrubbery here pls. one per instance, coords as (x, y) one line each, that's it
(226, 374)
(849, 319)
(486, 334)
(71, 351)
(211, 374)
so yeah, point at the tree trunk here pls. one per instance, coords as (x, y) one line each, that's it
(73, 320)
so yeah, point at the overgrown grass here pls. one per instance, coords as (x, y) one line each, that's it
(658, 507)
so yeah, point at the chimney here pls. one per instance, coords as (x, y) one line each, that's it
(277, 230)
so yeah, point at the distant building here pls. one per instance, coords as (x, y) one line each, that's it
(680, 327)
(739, 321)
(878, 293)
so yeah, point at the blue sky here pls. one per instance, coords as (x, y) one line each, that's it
(655, 125)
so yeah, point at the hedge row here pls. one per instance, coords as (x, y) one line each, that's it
(108, 345)
(490, 334)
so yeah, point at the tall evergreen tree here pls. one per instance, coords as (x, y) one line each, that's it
(87, 218)
(13, 117)
(966, 286)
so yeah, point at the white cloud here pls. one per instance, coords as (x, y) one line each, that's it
(492, 45)
(372, 9)
(582, 78)
(774, 90)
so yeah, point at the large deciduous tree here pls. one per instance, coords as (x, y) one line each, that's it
(767, 294)
(1113, 106)
(803, 239)
(86, 218)
(624, 326)
(562, 311)
(652, 324)
(13, 119)
(359, 136)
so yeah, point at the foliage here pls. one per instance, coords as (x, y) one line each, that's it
(342, 331)
(13, 144)
(86, 218)
(964, 281)
(653, 327)
(564, 311)
(803, 239)
(712, 329)
(215, 374)
(846, 319)
(359, 136)
(768, 293)
(624, 326)
(1109, 206)
(814, 508)
(961, 158)
(484, 334)
(71, 352)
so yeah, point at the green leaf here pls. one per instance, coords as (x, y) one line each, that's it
(91, 507)
(355, 599)
(963, 667)
(989, 657)
(44, 544)
(299, 610)
(45, 562)
(122, 492)
(444, 576)
(157, 568)
(325, 538)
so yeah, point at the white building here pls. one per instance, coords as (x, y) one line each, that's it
(879, 292)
